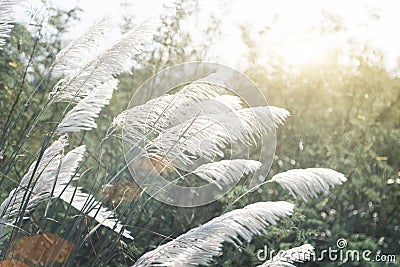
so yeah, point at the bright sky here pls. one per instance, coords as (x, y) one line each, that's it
(287, 28)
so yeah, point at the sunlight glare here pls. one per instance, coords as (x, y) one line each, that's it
(308, 53)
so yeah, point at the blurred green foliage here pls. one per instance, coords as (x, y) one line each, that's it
(345, 118)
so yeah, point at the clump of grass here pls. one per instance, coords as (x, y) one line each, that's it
(167, 130)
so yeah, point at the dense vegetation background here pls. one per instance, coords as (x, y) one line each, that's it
(344, 117)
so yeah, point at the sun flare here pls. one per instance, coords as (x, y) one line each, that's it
(311, 52)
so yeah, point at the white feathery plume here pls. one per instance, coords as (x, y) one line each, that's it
(76, 54)
(259, 120)
(52, 176)
(286, 258)
(79, 200)
(156, 114)
(182, 142)
(201, 89)
(42, 181)
(201, 244)
(6, 19)
(82, 116)
(245, 125)
(218, 105)
(226, 172)
(113, 61)
(308, 182)
(3, 229)
(222, 78)
(52, 169)
(151, 117)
